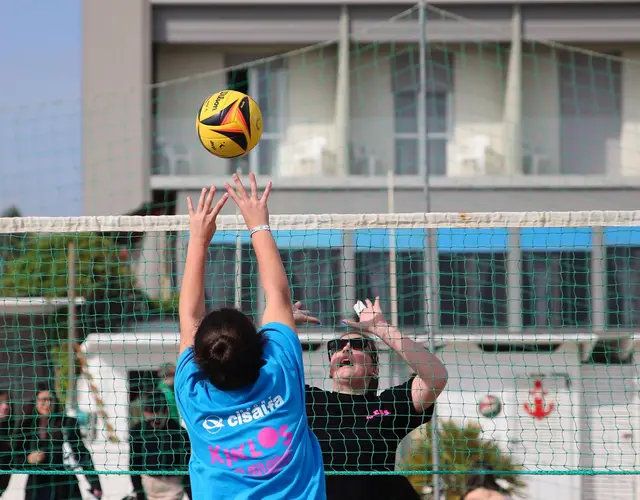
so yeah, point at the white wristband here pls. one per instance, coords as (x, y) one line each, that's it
(264, 227)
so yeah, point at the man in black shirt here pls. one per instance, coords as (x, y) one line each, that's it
(359, 431)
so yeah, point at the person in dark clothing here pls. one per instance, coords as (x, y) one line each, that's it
(359, 431)
(5, 441)
(39, 443)
(159, 443)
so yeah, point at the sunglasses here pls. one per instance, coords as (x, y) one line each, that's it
(357, 344)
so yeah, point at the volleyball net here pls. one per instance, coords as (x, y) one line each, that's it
(534, 315)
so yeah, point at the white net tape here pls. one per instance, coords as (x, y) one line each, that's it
(294, 222)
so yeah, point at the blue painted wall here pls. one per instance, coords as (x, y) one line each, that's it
(449, 240)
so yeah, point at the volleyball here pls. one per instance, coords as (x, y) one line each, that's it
(489, 406)
(229, 124)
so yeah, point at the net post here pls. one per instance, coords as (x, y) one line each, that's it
(71, 330)
(237, 298)
(598, 284)
(348, 289)
(424, 171)
(394, 358)
(393, 266)
(514, 282)
(165, 266)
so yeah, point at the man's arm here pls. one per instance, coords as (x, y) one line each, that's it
(432, 374)
(272, 275)
(202, 227)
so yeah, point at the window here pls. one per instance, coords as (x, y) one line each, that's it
(373, 280)
(267, 84)
(314, 277)
(623, 286)
(473, 289)
(407, 139)
(555, 291)
(590, 89)
(406, 86)
(220, 278)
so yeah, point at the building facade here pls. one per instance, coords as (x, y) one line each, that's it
(529, 106)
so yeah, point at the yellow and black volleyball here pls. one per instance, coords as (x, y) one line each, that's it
(229, 124)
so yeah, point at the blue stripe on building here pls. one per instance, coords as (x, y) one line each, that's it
(552, 239)
(449, 239)
(472, 240)
(380, 239)
(622, 236)
(329, 238)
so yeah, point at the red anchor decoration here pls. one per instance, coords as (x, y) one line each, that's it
(540, 409)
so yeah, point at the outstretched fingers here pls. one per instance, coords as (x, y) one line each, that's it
(376, 305)
(216, 210)
(267, 191)
(203, 196)
(232, 193)
(190, 206)
(209, 200)
(239, 186)
(254, 186)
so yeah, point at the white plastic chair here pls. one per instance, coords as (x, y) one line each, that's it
(473, 153)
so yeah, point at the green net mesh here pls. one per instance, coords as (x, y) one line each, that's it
(534, 314)
(536, 387)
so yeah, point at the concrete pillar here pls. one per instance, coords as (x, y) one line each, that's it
(342, 96)
(116, 114)
(513, 99)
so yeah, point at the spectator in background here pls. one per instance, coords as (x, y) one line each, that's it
(158, 443)
(5, 440)
(166, 374)
(39, 445)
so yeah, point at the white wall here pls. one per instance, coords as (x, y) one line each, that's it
(311, 111)
(177, 104)
(540, 103)
(371, 104)
(478, 103)
(630, 138)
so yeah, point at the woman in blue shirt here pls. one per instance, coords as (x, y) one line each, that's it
(240, 389)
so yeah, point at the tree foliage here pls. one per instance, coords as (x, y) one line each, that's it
(42, 269)
(461, 448)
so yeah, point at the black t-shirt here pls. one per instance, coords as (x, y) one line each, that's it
(362, 433)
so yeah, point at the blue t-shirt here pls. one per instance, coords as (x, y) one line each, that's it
(255, 442)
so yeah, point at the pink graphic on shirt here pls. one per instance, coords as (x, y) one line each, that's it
(378, 413)
(267, 438)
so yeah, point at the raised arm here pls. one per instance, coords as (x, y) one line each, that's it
(272, 275)
(202, 227)
(431, 373)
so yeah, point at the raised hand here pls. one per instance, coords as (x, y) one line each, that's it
(372, 319)
(202, 220)
(302, 316)
(253, 209)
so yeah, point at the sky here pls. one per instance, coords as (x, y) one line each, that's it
(40, 120)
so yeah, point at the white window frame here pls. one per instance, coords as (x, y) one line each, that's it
(281, 76)
(446, 135)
